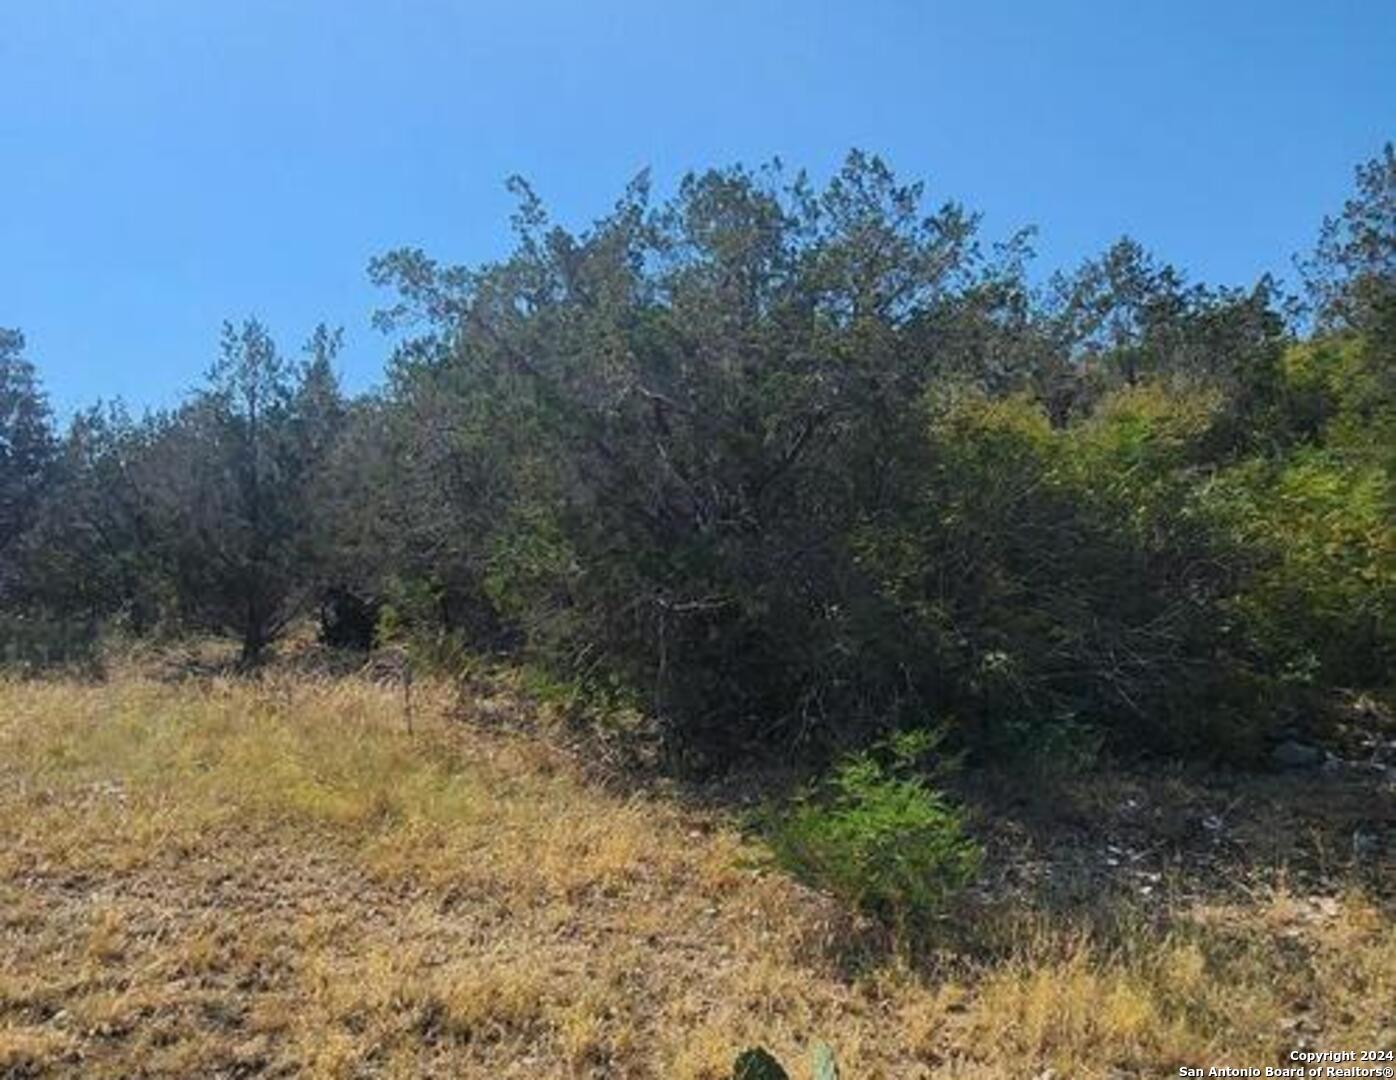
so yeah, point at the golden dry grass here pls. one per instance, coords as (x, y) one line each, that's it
(233, 877)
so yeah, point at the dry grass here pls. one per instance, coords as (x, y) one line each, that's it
(224, 877)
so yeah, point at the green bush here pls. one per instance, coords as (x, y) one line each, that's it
(1056, 581)
(876, 835)
(1322, 606)
(1314, 511)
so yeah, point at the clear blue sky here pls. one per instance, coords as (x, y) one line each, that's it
(165, 164)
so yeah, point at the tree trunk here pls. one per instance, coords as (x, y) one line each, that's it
(254, 635)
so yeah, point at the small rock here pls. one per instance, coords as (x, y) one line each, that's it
(1296, 755)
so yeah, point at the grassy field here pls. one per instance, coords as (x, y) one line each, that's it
(222, 877)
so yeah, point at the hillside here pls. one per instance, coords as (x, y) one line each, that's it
(227, 877)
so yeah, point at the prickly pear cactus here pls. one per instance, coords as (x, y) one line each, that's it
(757, 1064)
(825, 1068)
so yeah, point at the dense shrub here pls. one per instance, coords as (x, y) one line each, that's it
(1058, 580)
(1321, 522)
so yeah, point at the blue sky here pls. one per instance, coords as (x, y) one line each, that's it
(165, 164)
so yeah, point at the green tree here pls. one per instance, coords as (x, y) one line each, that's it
(1351, 275)
(96, 551)
(28, 450)
(230, 479)
(693, 402)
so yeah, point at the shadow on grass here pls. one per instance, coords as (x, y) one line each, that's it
(1121, 860)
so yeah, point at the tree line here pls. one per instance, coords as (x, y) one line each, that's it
(780, 465)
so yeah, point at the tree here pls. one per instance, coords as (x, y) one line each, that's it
(28, 450)
(691, 403)
(319, 406)
(1351, 275)
(1115, 312)
(94, 550)
(230, 478)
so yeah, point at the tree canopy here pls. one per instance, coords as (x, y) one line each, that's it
(781, 464)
